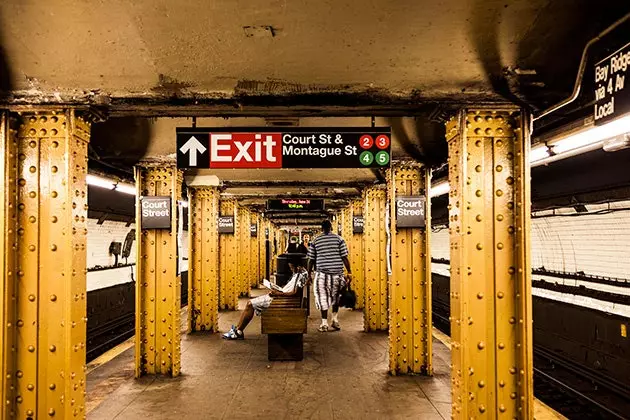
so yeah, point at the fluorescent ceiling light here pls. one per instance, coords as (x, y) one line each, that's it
(438, 189)
(97, 181)
(538, 153)
(591, 135)
(126, 188)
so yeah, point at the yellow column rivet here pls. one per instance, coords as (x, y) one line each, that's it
(499, 245)
(19, 374)
(482, 408)
(481, 384)
(501, 346)
(32, 169)
(479, 247)
(481, 345)
(52, 348)
(29, 412)
(53, 194)
(19, 399)
(31, 297)
(513, 395)
(31, 349)
(31, 248)
(51, 412)
(502, 408)
(513, 370)
(30, 387)
(480, 295)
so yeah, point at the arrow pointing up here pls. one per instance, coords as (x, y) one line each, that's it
(193, 146)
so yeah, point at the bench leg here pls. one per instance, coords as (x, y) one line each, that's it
(285, 347)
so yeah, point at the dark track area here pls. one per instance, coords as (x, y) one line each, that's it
(571, 389)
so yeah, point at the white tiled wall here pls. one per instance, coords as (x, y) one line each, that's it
(597, 244)
(100, 236)
(98, 239)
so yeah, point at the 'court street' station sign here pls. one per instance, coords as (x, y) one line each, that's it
(226, 224)
(155, 212)
(357, 224)
(612, 94)
(410, 212)
(295, 147)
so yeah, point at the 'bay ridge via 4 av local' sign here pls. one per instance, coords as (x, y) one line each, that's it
(270, 147)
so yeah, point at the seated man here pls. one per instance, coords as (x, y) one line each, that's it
(260, 303)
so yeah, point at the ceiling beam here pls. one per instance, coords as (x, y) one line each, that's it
(250, 196)
(297, 184)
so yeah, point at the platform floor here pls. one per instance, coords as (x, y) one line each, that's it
(343, 376)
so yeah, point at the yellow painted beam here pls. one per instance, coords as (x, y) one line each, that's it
(244, 255)
(254, 251)
(356, 258)
(410, 345)
(375, 264)
(43, 300)
(228, 259)
(158, 286)
(489, 224)
(203, 259)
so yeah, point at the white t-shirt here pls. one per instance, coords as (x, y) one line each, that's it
(297, 280)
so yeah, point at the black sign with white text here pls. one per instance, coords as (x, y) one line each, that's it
(226, 224)
(253, 230)
(155, 212)
(294, 147)
(612, 96)
(410, 211)
(357, 224)
(295, 204)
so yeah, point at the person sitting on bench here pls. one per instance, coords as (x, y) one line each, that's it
(259, 304)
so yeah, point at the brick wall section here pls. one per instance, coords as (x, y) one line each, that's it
(99, 238)
(597, 244)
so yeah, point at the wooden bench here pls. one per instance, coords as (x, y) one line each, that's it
(285, 324)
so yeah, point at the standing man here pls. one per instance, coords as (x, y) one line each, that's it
(328, 254)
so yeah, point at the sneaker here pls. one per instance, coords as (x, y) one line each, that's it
(233, 334)
(323, 328)
(335, 325)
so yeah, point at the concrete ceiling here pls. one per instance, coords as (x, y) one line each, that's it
(133, 57)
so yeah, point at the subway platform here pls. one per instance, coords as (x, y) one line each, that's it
(343, 376)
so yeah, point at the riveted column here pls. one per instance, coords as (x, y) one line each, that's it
(228, 259)
(43, 299)
(253, 251)
(158, 287)
(375, 263)
(346, 225)
(244, 255)
(8, 297)
(491, 317)
(410, 282)
(263, 231)
(356, 258)
(203, 257)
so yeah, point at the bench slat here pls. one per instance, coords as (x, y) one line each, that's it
(283, 321)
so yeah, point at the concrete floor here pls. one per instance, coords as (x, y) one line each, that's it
(343, 376)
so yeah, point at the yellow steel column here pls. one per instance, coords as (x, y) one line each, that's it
(410, 342)
(346, 225)
(263, 225)
(489, 175)
(158, 287)
(254, 251)
(356, 258)
(43, 302)
(375, 263)
(8, 298)
(203, 259)
(244, 251)
(228, 259)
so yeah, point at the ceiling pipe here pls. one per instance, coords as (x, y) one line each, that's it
(581, 69)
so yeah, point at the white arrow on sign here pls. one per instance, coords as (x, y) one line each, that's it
(193, 146)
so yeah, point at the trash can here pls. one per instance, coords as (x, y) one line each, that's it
(283, 273)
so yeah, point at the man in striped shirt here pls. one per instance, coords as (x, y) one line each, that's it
(328, 254)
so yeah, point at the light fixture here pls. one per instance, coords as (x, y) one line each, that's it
(97, 181)
(126, 188)
(439, 189)
(592, 135)
(538, 153)
(184, 204)
(619, 142)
